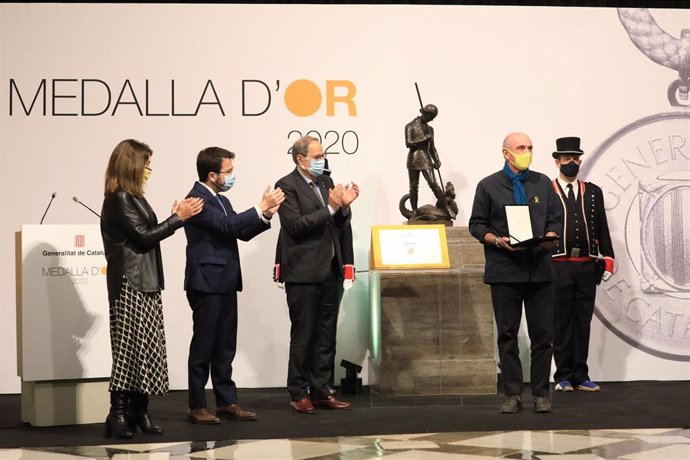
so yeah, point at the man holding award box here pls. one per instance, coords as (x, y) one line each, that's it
(517, 272)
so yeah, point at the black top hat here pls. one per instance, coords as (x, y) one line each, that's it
(567, 145)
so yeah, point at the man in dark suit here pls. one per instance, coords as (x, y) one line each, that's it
(585, 236)
(313, 218)
(519, 275)
(348, 255)
(212, 280)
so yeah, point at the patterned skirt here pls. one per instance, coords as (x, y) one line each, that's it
(137, 340)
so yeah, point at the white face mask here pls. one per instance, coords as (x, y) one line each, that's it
(317, 167)
(229, 182)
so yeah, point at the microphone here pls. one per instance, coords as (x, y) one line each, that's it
(52, 197)
(76, 200)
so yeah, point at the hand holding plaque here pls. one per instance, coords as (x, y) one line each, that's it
(520, 228)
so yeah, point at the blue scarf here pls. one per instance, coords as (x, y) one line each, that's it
(517, 180)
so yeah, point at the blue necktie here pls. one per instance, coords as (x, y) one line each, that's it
(220, 201)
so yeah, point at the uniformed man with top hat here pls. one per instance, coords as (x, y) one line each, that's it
(582, 257)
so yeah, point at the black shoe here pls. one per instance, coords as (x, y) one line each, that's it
(138, 415)
(542, 405)
(143, 421)
(512, 405)
(116, 424)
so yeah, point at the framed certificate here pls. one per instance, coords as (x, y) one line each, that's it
(409, 247)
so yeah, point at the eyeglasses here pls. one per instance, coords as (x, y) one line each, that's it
(227, 173)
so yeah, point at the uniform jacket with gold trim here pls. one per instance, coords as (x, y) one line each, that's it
(592, 208)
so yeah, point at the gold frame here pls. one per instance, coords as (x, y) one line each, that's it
(375, 262)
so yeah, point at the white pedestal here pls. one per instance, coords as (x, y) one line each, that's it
(65, 402)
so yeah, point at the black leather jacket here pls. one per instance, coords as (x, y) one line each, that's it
(131, 237)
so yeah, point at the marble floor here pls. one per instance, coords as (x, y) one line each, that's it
(633, 444)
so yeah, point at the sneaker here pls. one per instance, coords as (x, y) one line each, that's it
(542, 405)
(512, 405)
(564, 386)
(588, 385)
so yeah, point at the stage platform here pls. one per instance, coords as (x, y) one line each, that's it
(620, 405)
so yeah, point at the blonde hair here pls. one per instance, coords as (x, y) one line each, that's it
(126, 167)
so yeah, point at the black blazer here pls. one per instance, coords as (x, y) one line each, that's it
(308, 231)
(489, 216)
(213, 258)
(131, 237)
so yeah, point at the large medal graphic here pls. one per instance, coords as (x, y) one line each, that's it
(644, 171)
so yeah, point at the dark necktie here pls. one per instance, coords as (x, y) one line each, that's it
(317, 190)
(571, 194)
(315, 186)
(220, 202)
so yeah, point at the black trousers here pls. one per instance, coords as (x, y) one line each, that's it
(331, 381)
(575, 292)
(213, 347)
(507, 300)
(314, 316)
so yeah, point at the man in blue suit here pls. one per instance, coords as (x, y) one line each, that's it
(212, 280)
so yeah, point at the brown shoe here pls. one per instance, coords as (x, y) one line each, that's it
(303, 406)
(331, 403)
(234, 411)
(202, 417)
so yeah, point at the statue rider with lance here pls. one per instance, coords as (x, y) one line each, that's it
(422, 156)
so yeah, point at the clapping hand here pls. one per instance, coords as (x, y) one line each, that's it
(350, 194)
(270, 201)
(335, 197)
(188, 207)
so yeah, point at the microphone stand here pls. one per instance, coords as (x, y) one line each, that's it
(76, 200)
(52, 197)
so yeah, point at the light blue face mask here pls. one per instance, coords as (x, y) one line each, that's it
(229, 182)
(317, 167)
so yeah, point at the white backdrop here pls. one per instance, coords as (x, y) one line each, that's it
(550, 72)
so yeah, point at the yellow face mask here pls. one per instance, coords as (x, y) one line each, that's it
(521, 161)
(147, 173)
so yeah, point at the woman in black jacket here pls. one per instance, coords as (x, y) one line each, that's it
(131, 236)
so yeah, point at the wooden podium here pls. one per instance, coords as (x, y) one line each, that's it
(63, 342)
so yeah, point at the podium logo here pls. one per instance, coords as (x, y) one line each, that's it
(79, 241)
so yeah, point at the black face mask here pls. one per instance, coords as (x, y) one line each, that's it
(570, 169)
